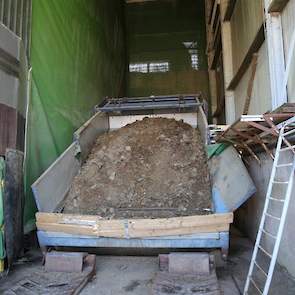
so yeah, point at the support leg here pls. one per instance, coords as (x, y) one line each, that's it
(44, 250)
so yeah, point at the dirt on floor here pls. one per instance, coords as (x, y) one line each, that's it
(153, 168)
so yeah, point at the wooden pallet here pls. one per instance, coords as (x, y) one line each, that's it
(257, 132)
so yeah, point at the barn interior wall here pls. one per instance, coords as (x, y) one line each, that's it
(166, 45)
(261, 96)
(245, 21)
(288, 25)
(248, 217)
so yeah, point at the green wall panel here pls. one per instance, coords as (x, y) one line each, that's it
(172, 34)
(77, 58)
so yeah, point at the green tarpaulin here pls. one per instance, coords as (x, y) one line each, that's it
(216, 149)
(77, 58)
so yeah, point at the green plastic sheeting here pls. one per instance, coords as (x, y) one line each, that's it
(77, 58)
(167, 47)
(216, 149)
(2, 244)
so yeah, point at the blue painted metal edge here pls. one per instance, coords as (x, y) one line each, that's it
(56, 239)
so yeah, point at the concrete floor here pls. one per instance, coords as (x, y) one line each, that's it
(128, 275)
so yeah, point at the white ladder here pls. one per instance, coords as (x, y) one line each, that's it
(263, 287)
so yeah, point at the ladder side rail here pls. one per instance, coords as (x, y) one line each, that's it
(280, 230)
(262, 221)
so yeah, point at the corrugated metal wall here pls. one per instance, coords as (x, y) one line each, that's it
(16, 15)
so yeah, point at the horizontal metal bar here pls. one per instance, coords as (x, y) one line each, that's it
(9, 64)
(268, 234)
(115, 108)
(287, 148)
(265, 252)
(289, 132)
(155, 97)
(152, 102)
(271, 216)
(280, 182)
(276, 199)
(260, 268)
(284, 165)
(254, 284)
(220, 240)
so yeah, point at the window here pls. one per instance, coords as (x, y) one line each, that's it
(152, 67)
(138, 68)
(158, 67)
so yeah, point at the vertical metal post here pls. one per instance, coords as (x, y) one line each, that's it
(1, 11)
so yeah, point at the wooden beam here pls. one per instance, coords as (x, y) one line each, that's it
(250, 84)
(277, 5)
(261, 127)
(229, 10)
(255, 46)
(133, 228)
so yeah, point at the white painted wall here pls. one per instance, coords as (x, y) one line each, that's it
(261, 94)
(249, 215)
(288, 23)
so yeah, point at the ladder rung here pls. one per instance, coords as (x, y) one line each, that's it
(276, 199)
(289, 132)
(271, 216)
(287, 148)
(284, 165)
(269, 234)
(280, 182)
(265, 252)
(255, 285)
(260, 268)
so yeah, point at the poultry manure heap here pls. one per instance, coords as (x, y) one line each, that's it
(154, 168)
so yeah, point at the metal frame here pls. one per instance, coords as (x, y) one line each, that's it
(206, 240)
(179, 102)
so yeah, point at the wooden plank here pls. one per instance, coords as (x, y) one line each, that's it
(94, 226)
(11, 129)
(229, 10)
(14, 204)
(277, 5)
(215, 15)
(139, 223)
(255, 46)
(123, 232)
(178, 231)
